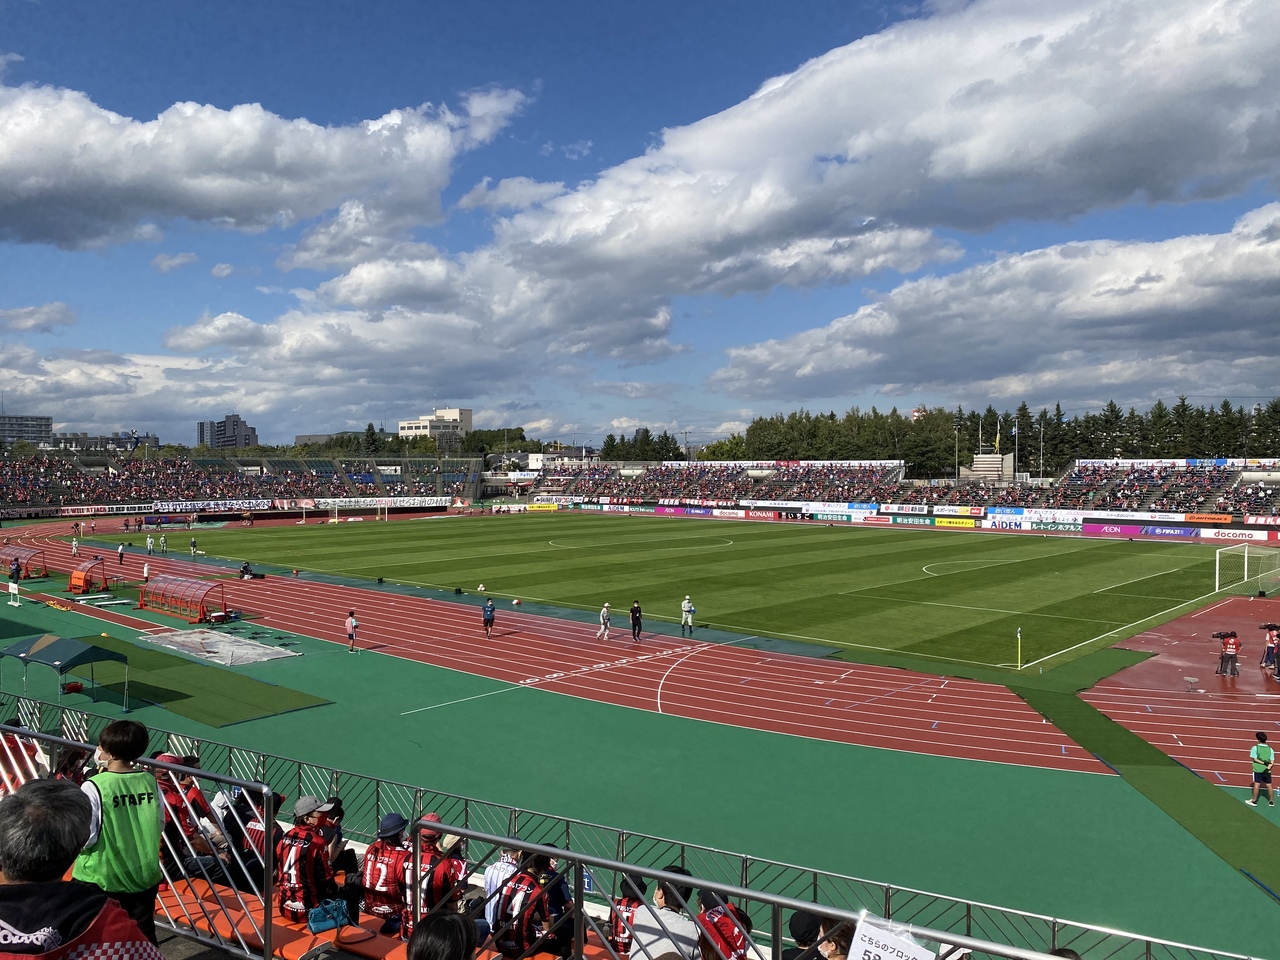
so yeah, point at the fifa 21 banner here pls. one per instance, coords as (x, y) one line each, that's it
(195, 506)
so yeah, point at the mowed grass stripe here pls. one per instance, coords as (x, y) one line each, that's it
(942, 595)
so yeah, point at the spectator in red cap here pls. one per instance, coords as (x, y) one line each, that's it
(441, 873)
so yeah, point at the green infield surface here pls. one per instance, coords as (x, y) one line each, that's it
(952, 598)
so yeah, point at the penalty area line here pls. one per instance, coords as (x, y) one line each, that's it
(1127, 626)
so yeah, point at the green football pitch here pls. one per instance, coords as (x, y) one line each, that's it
(952, 598)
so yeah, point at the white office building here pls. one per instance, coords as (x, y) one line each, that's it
(452, 422)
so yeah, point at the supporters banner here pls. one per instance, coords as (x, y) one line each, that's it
(946, 511)
(1208, 518)
(370, 503)
(1263, 521)
(915, 521)
(904, 508)
(301, 503)
(968, 522)
(195, 506)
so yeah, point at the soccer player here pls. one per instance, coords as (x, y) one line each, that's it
(637, 620)
(488, 612)
(686, 615)
(603, 632)
(352, 624)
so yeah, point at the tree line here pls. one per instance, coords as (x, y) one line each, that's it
(933, 441)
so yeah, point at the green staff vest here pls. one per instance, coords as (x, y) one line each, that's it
(126, 856)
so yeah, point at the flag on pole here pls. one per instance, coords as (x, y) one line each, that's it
(997, 439)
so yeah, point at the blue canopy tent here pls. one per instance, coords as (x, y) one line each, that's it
(63, 655)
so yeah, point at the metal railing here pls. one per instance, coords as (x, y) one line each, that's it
(367, 799)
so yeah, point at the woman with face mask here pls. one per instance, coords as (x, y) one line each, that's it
(836, 935)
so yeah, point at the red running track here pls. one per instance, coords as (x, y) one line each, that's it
(720, 683)
(1177, 703)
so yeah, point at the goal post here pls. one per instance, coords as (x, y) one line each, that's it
(1246, 568)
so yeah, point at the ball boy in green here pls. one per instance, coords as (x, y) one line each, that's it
(122, 857)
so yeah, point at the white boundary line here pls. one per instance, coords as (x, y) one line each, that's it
(691, 653)
(1135, 580)
(959, 606)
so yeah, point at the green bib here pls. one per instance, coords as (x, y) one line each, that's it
(126, 856)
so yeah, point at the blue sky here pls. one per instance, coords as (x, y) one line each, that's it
(583, 217)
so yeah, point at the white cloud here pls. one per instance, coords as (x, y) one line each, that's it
(851, 164)
(167, 263)
(222, 270)
(513, 193)
(80, 175)
(1087, 320)
(224, 330)
(578, 149)
(42, 319)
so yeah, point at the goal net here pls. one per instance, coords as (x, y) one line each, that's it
(1246, 568)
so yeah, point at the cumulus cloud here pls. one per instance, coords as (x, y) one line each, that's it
(512, 193)
(42, 319)
(167, 263)
(1089, 320)
(222, 270)
(77, 174)
(632, 390)
(853, 163)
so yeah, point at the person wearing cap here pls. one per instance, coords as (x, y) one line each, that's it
(804, 929)
(666, 927)
(384, 873)
(441, 873)
(122, 854)
(304, 875)
(603, 632)
(686, 615)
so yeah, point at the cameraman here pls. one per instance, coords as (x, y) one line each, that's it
(1229, 659)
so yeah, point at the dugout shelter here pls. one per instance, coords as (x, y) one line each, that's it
(30, 560)
(89, 576)
(63, 655)
(198, 601)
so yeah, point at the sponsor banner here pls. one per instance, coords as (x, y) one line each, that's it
(543, 507)
(1131, 515)
(738, 514)
(955, 522)
(1005, 511)
(1058, 527)
(522, 475)
(762, 514)
(1263, 521)
(914, 521)
(615, 508)
(1003, 524)
(808, 506)
(1171, 531)
(876, 520)
(1208, 518)
(669, 511)
(1237, 535)
(586, 506)
(194, 506)
(945, 511)
(904, 508)
(548, 498)
(642, 509)
(1113, 529)
(836, 517)
(698, 511)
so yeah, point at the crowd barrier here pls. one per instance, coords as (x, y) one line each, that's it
(765, 885)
